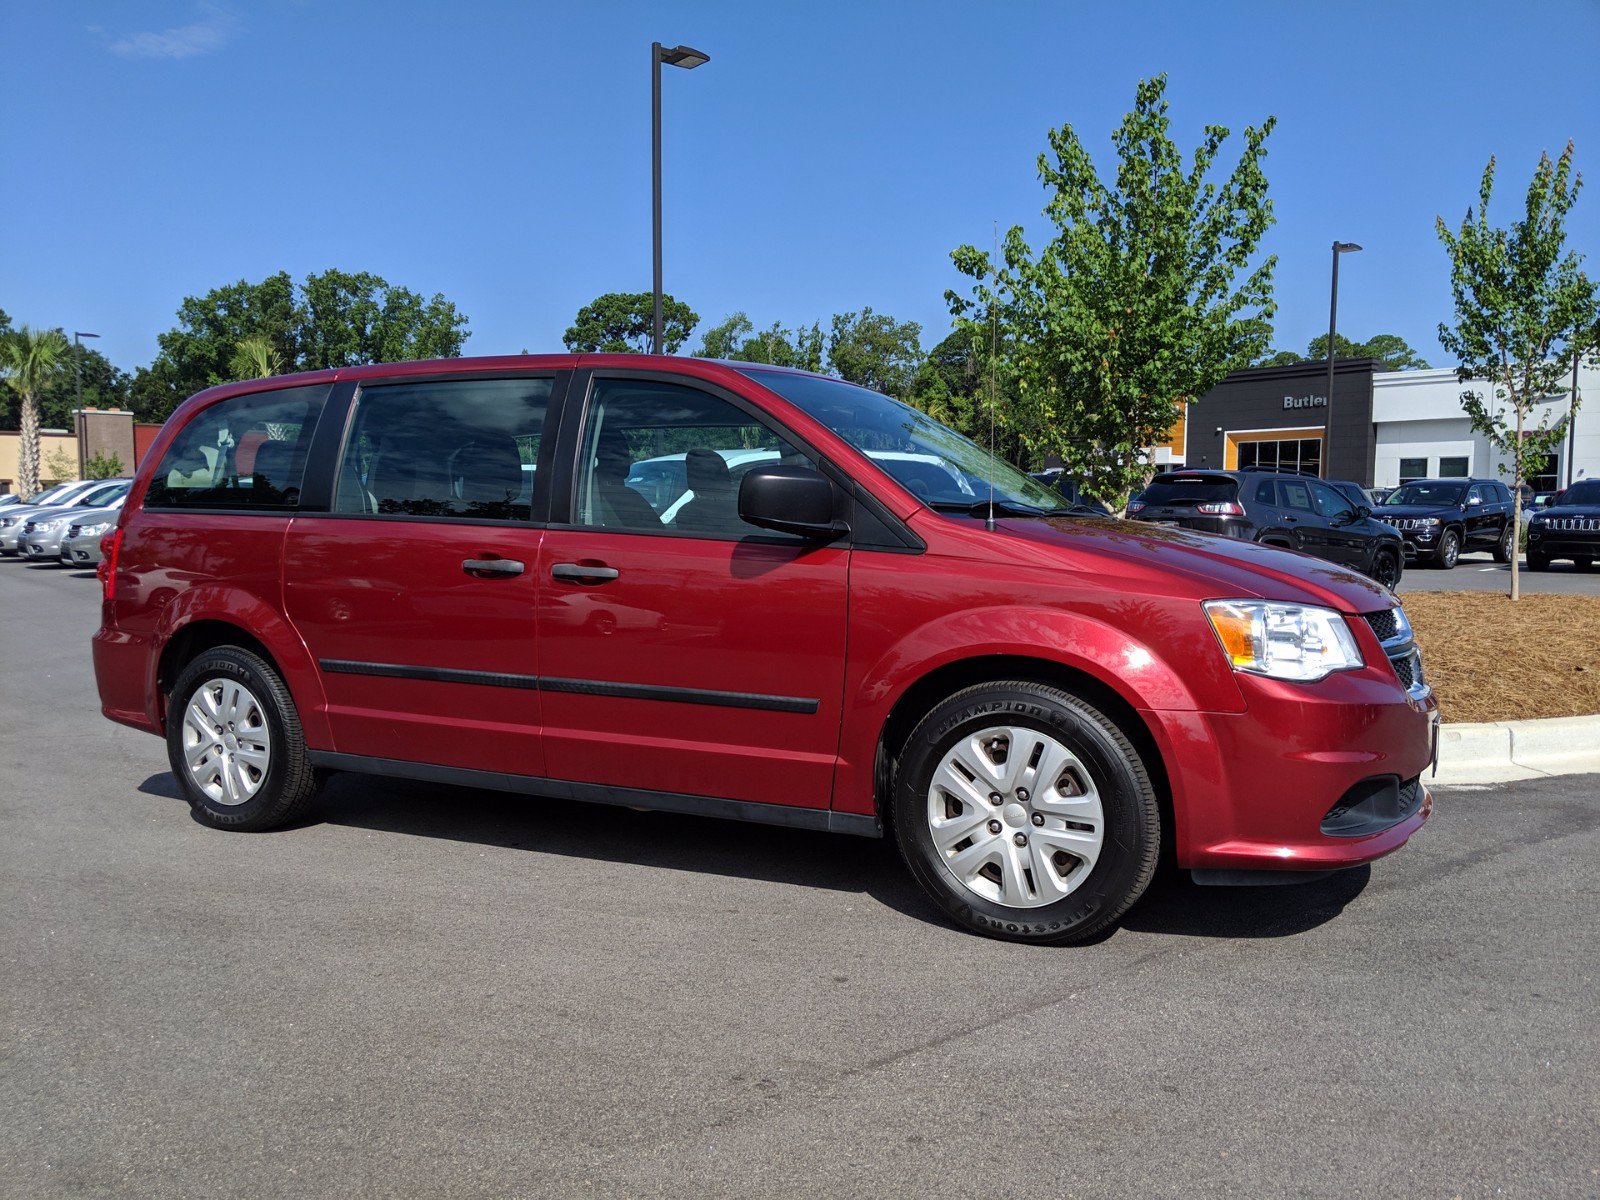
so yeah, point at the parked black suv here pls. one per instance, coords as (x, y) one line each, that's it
(1298, 512)
(1442, 519)
(1568, 528)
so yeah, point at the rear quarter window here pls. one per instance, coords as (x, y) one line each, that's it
(244, 453)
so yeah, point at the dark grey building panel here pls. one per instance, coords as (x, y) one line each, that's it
(1294, 397)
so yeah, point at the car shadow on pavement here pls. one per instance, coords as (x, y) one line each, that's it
(735, 849)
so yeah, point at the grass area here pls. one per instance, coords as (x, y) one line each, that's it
(1491, 660)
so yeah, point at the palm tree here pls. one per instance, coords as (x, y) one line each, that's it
(255, 358)
(29, 359)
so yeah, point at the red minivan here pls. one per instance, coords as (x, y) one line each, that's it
(741, 591)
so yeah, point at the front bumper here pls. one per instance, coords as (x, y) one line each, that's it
(1421, 543)
(81, 551)
(1558, 543)
(42, 546)
(1258, 790)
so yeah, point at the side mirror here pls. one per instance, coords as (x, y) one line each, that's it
(1362, 512)
(790, 499)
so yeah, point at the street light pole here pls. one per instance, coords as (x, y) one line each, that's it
(687, 58)
(1333, 329)
(77, 365)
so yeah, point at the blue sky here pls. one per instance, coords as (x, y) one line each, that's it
(828, 157)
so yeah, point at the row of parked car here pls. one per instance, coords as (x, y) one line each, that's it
(1426, 521)
(62, 524)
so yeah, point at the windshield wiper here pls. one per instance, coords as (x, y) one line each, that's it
(1001, 508)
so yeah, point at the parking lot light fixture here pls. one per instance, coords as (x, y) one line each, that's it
(1333, 326)
(688, 58)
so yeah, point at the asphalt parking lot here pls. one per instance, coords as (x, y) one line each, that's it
(1480, 573)
(427, 990)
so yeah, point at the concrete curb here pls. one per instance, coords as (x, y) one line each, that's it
(1502, 751)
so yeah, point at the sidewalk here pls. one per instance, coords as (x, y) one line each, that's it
(1502, 751)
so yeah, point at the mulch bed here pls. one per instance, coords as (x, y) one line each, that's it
(1491, 660)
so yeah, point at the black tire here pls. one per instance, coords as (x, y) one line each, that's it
(1506, 548)
(1449, 550)
(1537, 562)
(290, 782)
(1131, 816)
(1386, 569)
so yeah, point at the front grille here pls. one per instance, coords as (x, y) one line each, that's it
(1574, 524)
(1384, 624)
(1413, 523)
(1407, 670)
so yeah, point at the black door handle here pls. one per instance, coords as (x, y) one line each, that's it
(1290, 520)
(583, 573)
(492, 566)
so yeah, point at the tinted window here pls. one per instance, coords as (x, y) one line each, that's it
(1427, 493)
(1585, 491)
(1412, 468)
(445, 449)
(1295, 494)
(247, 452)
(1454, 467)
(1189, 489)
(1330, 502)
(1264, 492)
(665, 458)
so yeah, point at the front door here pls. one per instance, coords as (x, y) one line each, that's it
(417, 593)
(1345, 537)
(682, 650)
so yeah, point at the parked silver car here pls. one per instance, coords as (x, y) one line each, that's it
(80, 544)
(44, 535)
(86, 494)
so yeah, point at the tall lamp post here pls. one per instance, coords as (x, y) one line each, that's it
(1333, 328)
(77, 365)
(687, 58)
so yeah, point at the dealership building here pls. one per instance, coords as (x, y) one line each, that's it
(1388, 426)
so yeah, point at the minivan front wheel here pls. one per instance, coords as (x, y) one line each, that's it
(1026, 813)
(235, 744)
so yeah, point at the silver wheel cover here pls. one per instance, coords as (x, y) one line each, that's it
(226, 744)
(1015, 816)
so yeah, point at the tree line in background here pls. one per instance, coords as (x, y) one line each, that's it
(1147, 292)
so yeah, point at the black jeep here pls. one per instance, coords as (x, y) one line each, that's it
(1442, 519)
(1325, 518)
(1568, 528)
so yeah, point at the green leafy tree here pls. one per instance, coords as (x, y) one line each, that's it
(955, 386)
(335, 319)
(255, 358)
(1141, 302)
(102, 466)
(875, 351)
(1391, 350)
(737, 340)
(620, 323)
(104, 386)
(30, 360)
(1523, 309)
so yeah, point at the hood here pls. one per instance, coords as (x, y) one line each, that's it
(1385, 512)
(1555, 510)
(1214, 567)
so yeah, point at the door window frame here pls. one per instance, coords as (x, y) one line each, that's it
(340, 412)
(872, 525)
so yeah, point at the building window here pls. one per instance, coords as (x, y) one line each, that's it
(1413, 468)
(1453, 468)
(1544, 473)
(1286, 454)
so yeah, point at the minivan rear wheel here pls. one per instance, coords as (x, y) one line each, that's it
(235, 744)
(1026, 813)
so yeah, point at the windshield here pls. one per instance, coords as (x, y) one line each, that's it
(1426, 493)
(1585, 491)
(44, 498)
(931, 461)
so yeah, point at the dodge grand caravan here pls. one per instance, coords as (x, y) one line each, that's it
(440, 571)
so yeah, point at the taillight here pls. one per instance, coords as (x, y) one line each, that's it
(1221, 508)
(107, 570)
(1135, 505)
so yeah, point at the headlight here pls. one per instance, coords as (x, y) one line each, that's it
(45, 526)
(1284, 641)
(8, 522)
(94, 530)
(1427, 520)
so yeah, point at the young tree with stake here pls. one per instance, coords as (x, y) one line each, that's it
(1523, 310)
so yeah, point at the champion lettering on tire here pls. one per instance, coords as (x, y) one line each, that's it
(1026, 813)
(235, 745)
